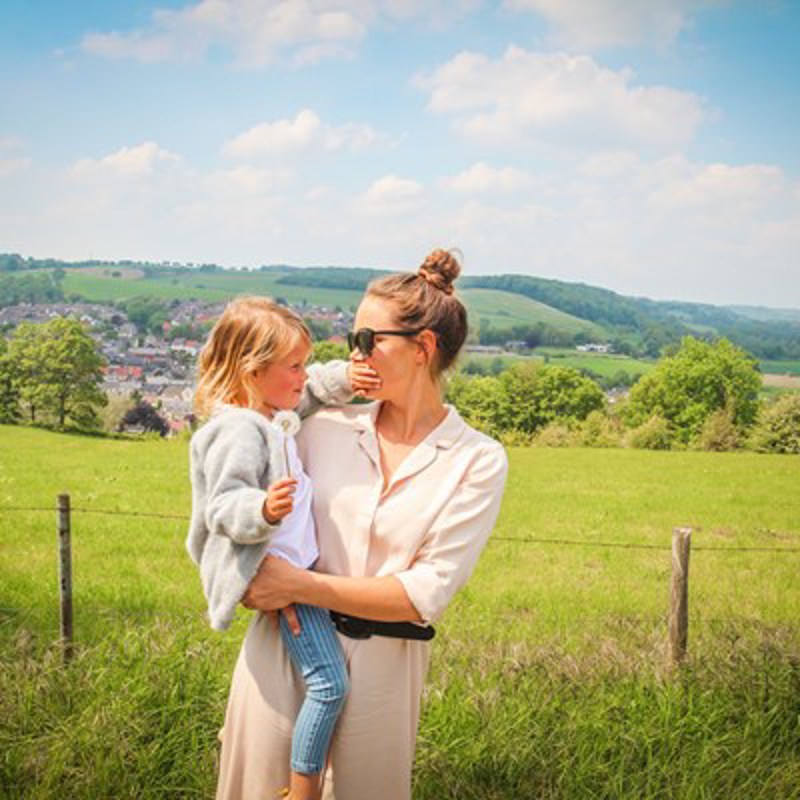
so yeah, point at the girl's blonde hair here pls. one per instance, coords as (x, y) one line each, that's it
(252, 333)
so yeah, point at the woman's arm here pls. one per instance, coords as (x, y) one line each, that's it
(278, 583)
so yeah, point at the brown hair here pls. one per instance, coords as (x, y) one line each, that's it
(425, 299)
(252, 333)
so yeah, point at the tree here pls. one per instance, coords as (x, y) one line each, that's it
(536, 395)
(58, 370)
(328, 351)
(147, 417)
(9, 391)
(481, 401)
(27, 354)
(73, 370)
(701, 378)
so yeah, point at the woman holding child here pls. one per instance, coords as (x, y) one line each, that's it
(405, 495)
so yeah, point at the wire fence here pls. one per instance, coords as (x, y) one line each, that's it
(678, 617)
(515, 539)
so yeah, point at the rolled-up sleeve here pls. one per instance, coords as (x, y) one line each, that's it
(451, 548)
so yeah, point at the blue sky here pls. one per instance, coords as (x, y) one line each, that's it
(647, 146)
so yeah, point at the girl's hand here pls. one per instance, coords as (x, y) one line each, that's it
(363, 378)
(280, 500)
(273, 586)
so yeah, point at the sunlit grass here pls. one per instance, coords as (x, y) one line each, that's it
(548, 676)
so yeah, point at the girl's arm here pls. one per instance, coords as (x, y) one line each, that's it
(233, 464)
(334, 384)
(278, 583)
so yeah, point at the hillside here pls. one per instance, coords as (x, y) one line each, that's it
(538, 310)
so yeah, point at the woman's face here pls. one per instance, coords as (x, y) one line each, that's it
(397, 359)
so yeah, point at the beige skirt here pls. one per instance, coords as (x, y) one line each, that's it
(373, 745)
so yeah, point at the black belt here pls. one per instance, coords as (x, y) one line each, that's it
(357, 628)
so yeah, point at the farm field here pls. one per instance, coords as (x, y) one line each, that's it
(547, 677)
(601, 364)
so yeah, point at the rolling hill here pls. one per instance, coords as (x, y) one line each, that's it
(540, 310)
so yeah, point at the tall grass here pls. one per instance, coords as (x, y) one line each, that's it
(547, 678)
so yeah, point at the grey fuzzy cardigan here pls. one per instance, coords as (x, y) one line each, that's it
(234, 457)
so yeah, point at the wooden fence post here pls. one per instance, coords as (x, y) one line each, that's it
(65, 575)
(679, 595)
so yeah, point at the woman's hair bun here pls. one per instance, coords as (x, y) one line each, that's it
(440, 269)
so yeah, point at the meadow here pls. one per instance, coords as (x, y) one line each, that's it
(548, 677)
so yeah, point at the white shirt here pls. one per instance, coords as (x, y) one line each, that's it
(295, 539)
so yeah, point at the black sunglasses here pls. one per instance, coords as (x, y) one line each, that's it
(364, 338)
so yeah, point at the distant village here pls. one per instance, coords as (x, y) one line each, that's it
(158, 369)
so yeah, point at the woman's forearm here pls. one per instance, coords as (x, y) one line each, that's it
(382, 598)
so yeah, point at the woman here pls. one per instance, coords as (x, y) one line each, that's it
(405, 497)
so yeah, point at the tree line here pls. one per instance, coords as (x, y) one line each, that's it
(703, 395)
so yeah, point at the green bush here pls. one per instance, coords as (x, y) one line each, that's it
(719, 432)
(778, 429)
(654, 434)
(556, 434)
(599, 430)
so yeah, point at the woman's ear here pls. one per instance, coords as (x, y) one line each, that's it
(427, 344)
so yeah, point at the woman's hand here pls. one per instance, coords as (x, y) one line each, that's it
(363, 378)
(274, 585)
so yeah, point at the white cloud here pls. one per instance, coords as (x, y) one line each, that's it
(258, 33)
(392, 195)
(481, 178)
(304, 132)
(128, 162)
(582, 25)
(663, 226)
(720, 188)
(527, 97)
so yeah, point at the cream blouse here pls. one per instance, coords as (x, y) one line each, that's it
(430, 524)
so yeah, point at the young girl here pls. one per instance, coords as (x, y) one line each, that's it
(252, 366)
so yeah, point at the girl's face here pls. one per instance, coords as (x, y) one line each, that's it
(279, 385)
(396, 359)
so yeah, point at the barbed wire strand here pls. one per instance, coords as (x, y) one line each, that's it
(515, 539)
(107, 512)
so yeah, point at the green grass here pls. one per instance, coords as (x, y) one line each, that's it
(96, 286)
(505, 309)
(601, 364)
(547, 677)
(780, 367)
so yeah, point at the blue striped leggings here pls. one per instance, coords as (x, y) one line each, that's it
(318, 657)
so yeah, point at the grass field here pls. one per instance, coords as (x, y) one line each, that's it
(780, 367)
(505, 309)
(547, 677)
